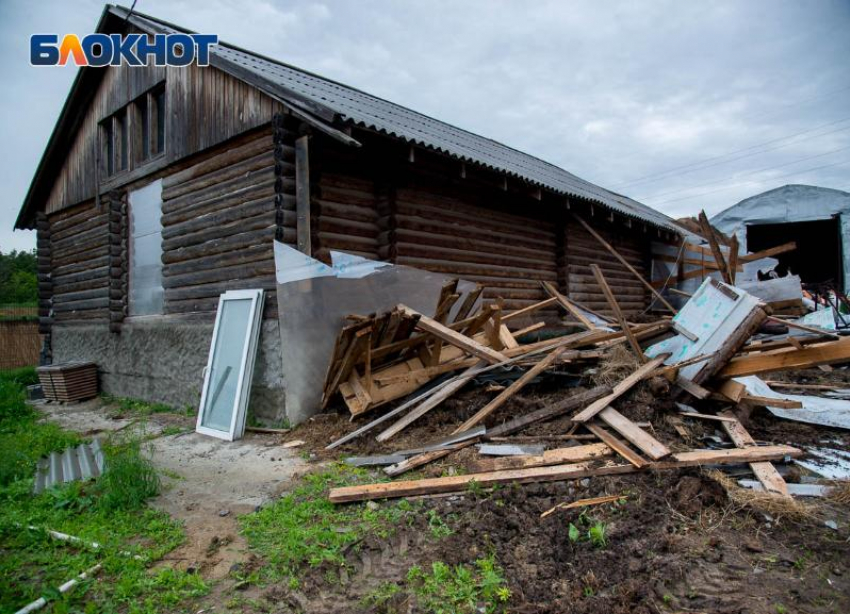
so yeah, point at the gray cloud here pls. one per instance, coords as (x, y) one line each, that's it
(612, 91)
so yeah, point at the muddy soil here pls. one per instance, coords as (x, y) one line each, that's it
(677, 543)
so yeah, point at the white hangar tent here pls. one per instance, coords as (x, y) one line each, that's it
(817, 219)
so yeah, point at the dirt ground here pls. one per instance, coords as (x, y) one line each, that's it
(676, 543)
(208, 482)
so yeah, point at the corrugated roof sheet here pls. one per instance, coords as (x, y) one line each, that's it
(82, 462)
(348, 105)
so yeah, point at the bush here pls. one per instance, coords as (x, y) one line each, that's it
(129, 478)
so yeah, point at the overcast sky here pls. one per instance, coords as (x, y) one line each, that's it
(681, 105)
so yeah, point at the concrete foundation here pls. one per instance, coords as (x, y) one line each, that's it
(161, 360)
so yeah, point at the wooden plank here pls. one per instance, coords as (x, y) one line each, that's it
(528, 329)
(693, 414)
(770, 252)
(624, 262)
(620, 447)
(708, 235)
(771, 402)
(733, 258)
(511, 390)
(512, 426)
(765, 472)
(563, 302)
(732, 390)
(530, 309)
(355, 348)
(431, 402)
(575, 454)
(456, 339)
(827, 353)
(618, 313)
(638, 437)
(302, 194)
(554, 473)
(692, 388)
(549, 412)
(620, 389)
(468, 303)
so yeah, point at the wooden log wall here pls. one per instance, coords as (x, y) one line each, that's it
(508, 253)
(119, 261)
(283, 137)
(582, 250)
(219, 218)
(44, 276)
(433, 214)
(79, 258)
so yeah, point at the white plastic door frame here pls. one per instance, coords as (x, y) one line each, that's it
(246, 365)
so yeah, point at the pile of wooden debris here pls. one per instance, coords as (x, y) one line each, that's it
(722, 334)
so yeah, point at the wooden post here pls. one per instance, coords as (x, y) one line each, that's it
(719, 260)
(302, 194)
(618, 313)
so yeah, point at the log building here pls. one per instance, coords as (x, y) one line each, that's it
(163, 187)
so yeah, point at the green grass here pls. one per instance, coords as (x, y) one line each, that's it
(445, 589)
(138, 407)
(462, 589)
(129, 479)
(23, 439)
(109, 511)
(304, 529)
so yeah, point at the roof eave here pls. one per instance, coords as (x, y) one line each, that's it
(65, 126)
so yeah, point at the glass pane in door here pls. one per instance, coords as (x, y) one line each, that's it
(222, 393)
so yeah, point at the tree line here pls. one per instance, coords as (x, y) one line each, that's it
(18, 281)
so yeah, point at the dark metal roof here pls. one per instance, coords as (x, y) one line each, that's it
(333, 105)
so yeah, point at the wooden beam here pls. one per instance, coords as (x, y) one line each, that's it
(530, 309)
(511, 390)
(618, 313)
(708, 234)
(732, 390)
(692, 388)
(620, 389)
(467, 344)
(554, 473)
(566, 304)
(771, 402)
(624, 262)
(733, 258)
(549, 412)
(302, 195)
(827, 353)
(558, 456)
(770, 252)
(765, 472)
(620, 447)
(512, 426)
(638, 437)
(431, 402)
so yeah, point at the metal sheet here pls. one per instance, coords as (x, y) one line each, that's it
(510, 449)
(83, 462)
(324, 98)
(790, 203)
(815, 410)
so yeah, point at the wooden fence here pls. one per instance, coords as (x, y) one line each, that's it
(20, 342)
